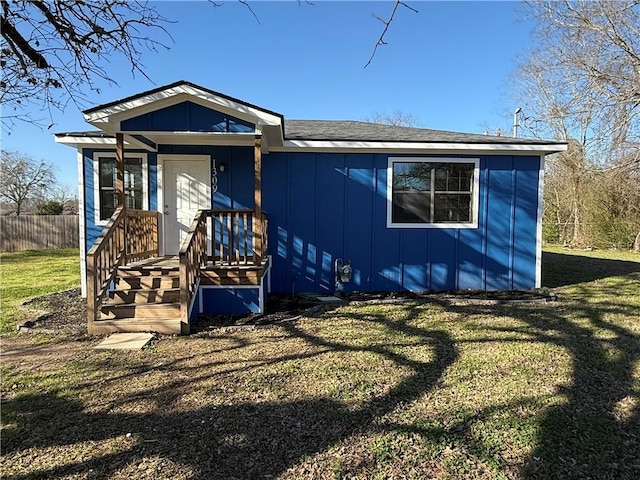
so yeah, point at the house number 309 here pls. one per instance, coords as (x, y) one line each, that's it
(214, 177)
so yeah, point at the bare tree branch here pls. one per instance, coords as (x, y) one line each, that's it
(53, 52)
(246, 4)
(387, 23)
(243, 2)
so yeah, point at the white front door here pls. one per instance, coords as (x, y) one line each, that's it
(186, 190)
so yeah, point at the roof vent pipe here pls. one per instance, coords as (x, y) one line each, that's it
(515, 121)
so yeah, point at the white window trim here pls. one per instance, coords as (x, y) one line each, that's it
(96, 181)
(475, 200)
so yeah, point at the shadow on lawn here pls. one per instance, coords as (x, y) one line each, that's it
(596, 432)
(593, 434)
(244, 440)
(559, 269)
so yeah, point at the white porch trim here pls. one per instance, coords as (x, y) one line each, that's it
(81, 224)
(538, 282)
(177, 94)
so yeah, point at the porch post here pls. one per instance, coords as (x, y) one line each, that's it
(122, 231)
(120, 169)
(257, 192)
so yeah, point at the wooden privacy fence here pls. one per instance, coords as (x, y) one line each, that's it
(38, 232)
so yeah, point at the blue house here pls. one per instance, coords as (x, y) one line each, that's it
(193, 201)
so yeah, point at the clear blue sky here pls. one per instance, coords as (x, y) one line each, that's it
(448, 65)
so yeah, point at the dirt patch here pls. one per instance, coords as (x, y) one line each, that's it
(66, 311)
(279, 309)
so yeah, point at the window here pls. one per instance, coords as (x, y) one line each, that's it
(435, 192)
(135, 179)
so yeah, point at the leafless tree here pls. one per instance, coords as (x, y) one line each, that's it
(583, 80)
(396, 118)
(564, 191)
(53, 51)
(22, 178)
(582, 84)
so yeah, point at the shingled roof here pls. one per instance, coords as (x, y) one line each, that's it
(349, 130)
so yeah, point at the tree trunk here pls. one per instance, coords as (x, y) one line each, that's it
(576, 224)
(636, 244)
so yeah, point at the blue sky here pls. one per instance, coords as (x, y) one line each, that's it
(449, 65)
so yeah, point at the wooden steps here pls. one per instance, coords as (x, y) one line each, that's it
(144, 299)
(145, 296)
(170, 326)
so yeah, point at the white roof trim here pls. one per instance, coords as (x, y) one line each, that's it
(167, 138)
(103, 115)
(416, 146)
(73, 141)
(222, 138)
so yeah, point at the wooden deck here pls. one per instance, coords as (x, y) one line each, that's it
(146, 294)
(211, 274)
(132, 289)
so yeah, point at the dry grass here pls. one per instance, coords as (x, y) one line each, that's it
(418, 390)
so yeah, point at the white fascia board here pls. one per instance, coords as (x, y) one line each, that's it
(264, 118)
(415, 147)
(85, 142)
(93, 142)
(175, 95)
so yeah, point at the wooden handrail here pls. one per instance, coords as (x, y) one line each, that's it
(129, 235)
(193, 256)
(223, 237)
(234, 240)
(103, 260)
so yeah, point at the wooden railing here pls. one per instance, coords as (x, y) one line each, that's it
(219, 238)
(141, 235)
(130, 235)
(236, 238)
(193, 257)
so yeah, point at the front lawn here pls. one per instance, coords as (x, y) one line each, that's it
(33, 273)
(419, 390)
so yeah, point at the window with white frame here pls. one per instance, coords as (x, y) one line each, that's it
(432, 192)
(135, 181)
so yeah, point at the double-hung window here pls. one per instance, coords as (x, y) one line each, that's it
(135, 181)
(432, 192)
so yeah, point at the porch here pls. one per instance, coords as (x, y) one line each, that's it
(131, 288)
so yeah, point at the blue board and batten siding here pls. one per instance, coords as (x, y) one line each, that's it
(324, 206)
(327, 206)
